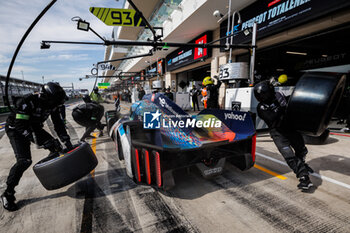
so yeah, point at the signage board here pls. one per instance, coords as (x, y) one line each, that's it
(152, 68)
(185, 56)
(103, 84)
(104, 66)
(118, 17)
(201, 52)
(160, 67)
(274, 16)
(236, 70)
(236, 106)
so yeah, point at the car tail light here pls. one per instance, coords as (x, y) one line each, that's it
(253, 147)
(148, 167)
(158, 169)
(137, 159)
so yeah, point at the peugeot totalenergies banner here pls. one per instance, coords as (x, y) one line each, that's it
(274, 16)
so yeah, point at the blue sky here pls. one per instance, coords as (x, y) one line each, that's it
(62, 63)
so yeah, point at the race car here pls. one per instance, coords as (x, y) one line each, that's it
(157, 137)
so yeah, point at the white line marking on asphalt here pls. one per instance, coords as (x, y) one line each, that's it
(313, 174)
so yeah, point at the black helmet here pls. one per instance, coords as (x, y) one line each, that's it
(264, 92)
(53, 95)
(96, 90)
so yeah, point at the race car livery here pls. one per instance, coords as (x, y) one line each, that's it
(158, 137)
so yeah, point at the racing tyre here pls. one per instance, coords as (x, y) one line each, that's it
(243, 162)
(317, 140)
(59, 170)
(314, 101)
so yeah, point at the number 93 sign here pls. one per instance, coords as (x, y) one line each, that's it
(118, 17)
(236, 70)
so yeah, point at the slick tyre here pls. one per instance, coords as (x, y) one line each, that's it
(243, 161)
(314, 101)
(59, 170)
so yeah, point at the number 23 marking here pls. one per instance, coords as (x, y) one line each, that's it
(224, 73)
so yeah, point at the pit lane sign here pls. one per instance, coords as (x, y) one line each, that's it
(118, 17)
(236, 70)
(103, 85)
(106, 67)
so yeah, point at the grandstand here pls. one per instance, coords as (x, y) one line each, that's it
(17, 87)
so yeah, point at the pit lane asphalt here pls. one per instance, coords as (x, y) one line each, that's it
(249, 201)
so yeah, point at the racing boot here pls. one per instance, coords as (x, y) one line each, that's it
(305, 183)
(8, 201)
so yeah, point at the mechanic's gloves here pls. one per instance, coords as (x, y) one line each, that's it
(66, 140)
(53, 145)
(68, 145)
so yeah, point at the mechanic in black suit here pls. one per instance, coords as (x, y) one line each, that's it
(25, 125)
(290, 143)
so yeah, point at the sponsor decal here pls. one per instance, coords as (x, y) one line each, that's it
(200, 52)
(233, 116)
(185, 56)
(274, 16)
(121, 130)
(274, 12)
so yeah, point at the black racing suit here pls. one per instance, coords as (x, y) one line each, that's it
(24, 123)
(289, 142)
(213, 95)
(89, 115)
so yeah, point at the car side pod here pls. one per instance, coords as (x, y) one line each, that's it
(314, 101)
(58, 170)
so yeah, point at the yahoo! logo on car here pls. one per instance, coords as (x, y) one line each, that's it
(233, 116)
(151, 120)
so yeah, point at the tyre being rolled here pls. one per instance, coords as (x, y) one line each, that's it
(317, 140)
(57, 171)
(314, 101)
